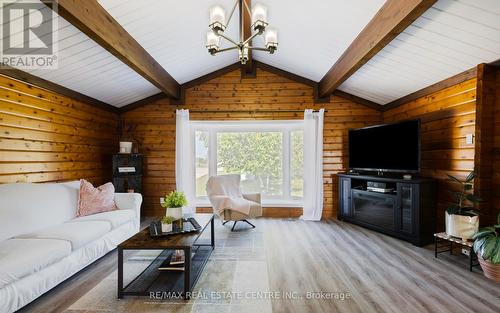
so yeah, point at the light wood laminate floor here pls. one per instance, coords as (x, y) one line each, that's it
(325, 259)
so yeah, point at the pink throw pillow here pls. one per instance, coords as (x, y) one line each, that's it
(95, 200)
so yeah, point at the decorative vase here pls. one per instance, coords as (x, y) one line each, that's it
(174, 212)
(166, 228)
(490, 270)
(125, 147)
(461, 226)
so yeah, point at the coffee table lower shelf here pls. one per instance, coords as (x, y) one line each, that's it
(168, 283)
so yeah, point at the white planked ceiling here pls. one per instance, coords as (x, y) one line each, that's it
(173, 32)
(86, 67)
(453, 36)
(313, 34)
(449, 38)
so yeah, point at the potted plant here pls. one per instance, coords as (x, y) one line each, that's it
(487, 247)
(461, 219)
(166, 224)
(173, 202)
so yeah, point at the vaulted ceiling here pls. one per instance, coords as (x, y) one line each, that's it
(449, 38)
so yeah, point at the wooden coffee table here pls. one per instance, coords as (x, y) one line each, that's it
(178, 283)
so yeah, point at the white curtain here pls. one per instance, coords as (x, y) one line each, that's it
(184, 159)
(313, 165)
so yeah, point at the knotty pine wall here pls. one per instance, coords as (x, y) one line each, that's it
(447, 116)
(153, 127)
(45, 136)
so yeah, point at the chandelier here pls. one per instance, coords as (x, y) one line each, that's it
(259, 27)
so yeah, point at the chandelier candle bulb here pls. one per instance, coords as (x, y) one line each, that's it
(213, 42)
(259, 13)
(217, 18)
(218, 26)
(259, 17)
(271, 39)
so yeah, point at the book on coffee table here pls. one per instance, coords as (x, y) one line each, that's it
(175, 262)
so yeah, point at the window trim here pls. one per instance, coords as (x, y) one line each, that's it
(286, 127)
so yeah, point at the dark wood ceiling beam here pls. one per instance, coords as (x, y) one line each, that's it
(394, 17)
(93, 20)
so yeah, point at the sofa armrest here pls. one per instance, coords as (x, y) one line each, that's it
(129, 201)
(255, 197)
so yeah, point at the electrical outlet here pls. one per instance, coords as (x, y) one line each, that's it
(465, 251)
(469, 139)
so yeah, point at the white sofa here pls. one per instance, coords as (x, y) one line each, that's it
(42, 242)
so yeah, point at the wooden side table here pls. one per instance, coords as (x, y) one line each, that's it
(444, 243)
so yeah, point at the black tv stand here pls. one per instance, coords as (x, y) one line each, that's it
(407, 213)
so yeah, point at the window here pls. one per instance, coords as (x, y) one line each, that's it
(267, 155)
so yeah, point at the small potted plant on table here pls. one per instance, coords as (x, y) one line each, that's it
(173, 203)
(487, 247)
(166, 224)
(461, 219)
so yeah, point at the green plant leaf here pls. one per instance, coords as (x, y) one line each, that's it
(498, 218)
(473, 198)
(453, 210)
(468, 186)
(478, 244)
(483, 232)
(470, 212)
(488, 247)
(495, 257)
(175, 199)
(470, 177)
(452, 178)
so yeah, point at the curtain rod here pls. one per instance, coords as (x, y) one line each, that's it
(250, 111)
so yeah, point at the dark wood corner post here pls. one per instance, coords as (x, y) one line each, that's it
(487, 157)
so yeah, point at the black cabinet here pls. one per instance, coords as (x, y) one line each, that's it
(406, 211)
(127, 172)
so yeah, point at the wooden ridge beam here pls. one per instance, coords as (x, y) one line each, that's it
(93, 20)
(390, 21)
(248, 69)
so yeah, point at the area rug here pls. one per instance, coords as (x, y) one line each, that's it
(235, 279)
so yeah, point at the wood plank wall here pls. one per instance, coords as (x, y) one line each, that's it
(447, 116)
(153, 126)
(496, 151)
(45, 136)
(490, 95)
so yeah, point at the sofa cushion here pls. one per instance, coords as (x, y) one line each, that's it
(27, 208)
(93, 200)
(22, 257)
(77, 233)
(115, 218)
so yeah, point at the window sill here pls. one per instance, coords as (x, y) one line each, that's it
(265, 203)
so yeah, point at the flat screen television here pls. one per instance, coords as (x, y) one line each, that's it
(386, 148)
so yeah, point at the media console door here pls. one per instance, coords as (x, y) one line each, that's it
(406, 208)
(345, 205)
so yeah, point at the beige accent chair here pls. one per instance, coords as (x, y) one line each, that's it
(227, 187)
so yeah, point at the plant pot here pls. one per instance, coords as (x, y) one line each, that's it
(174, 212)
(490, 270)
(166, 228)
(461, 226)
